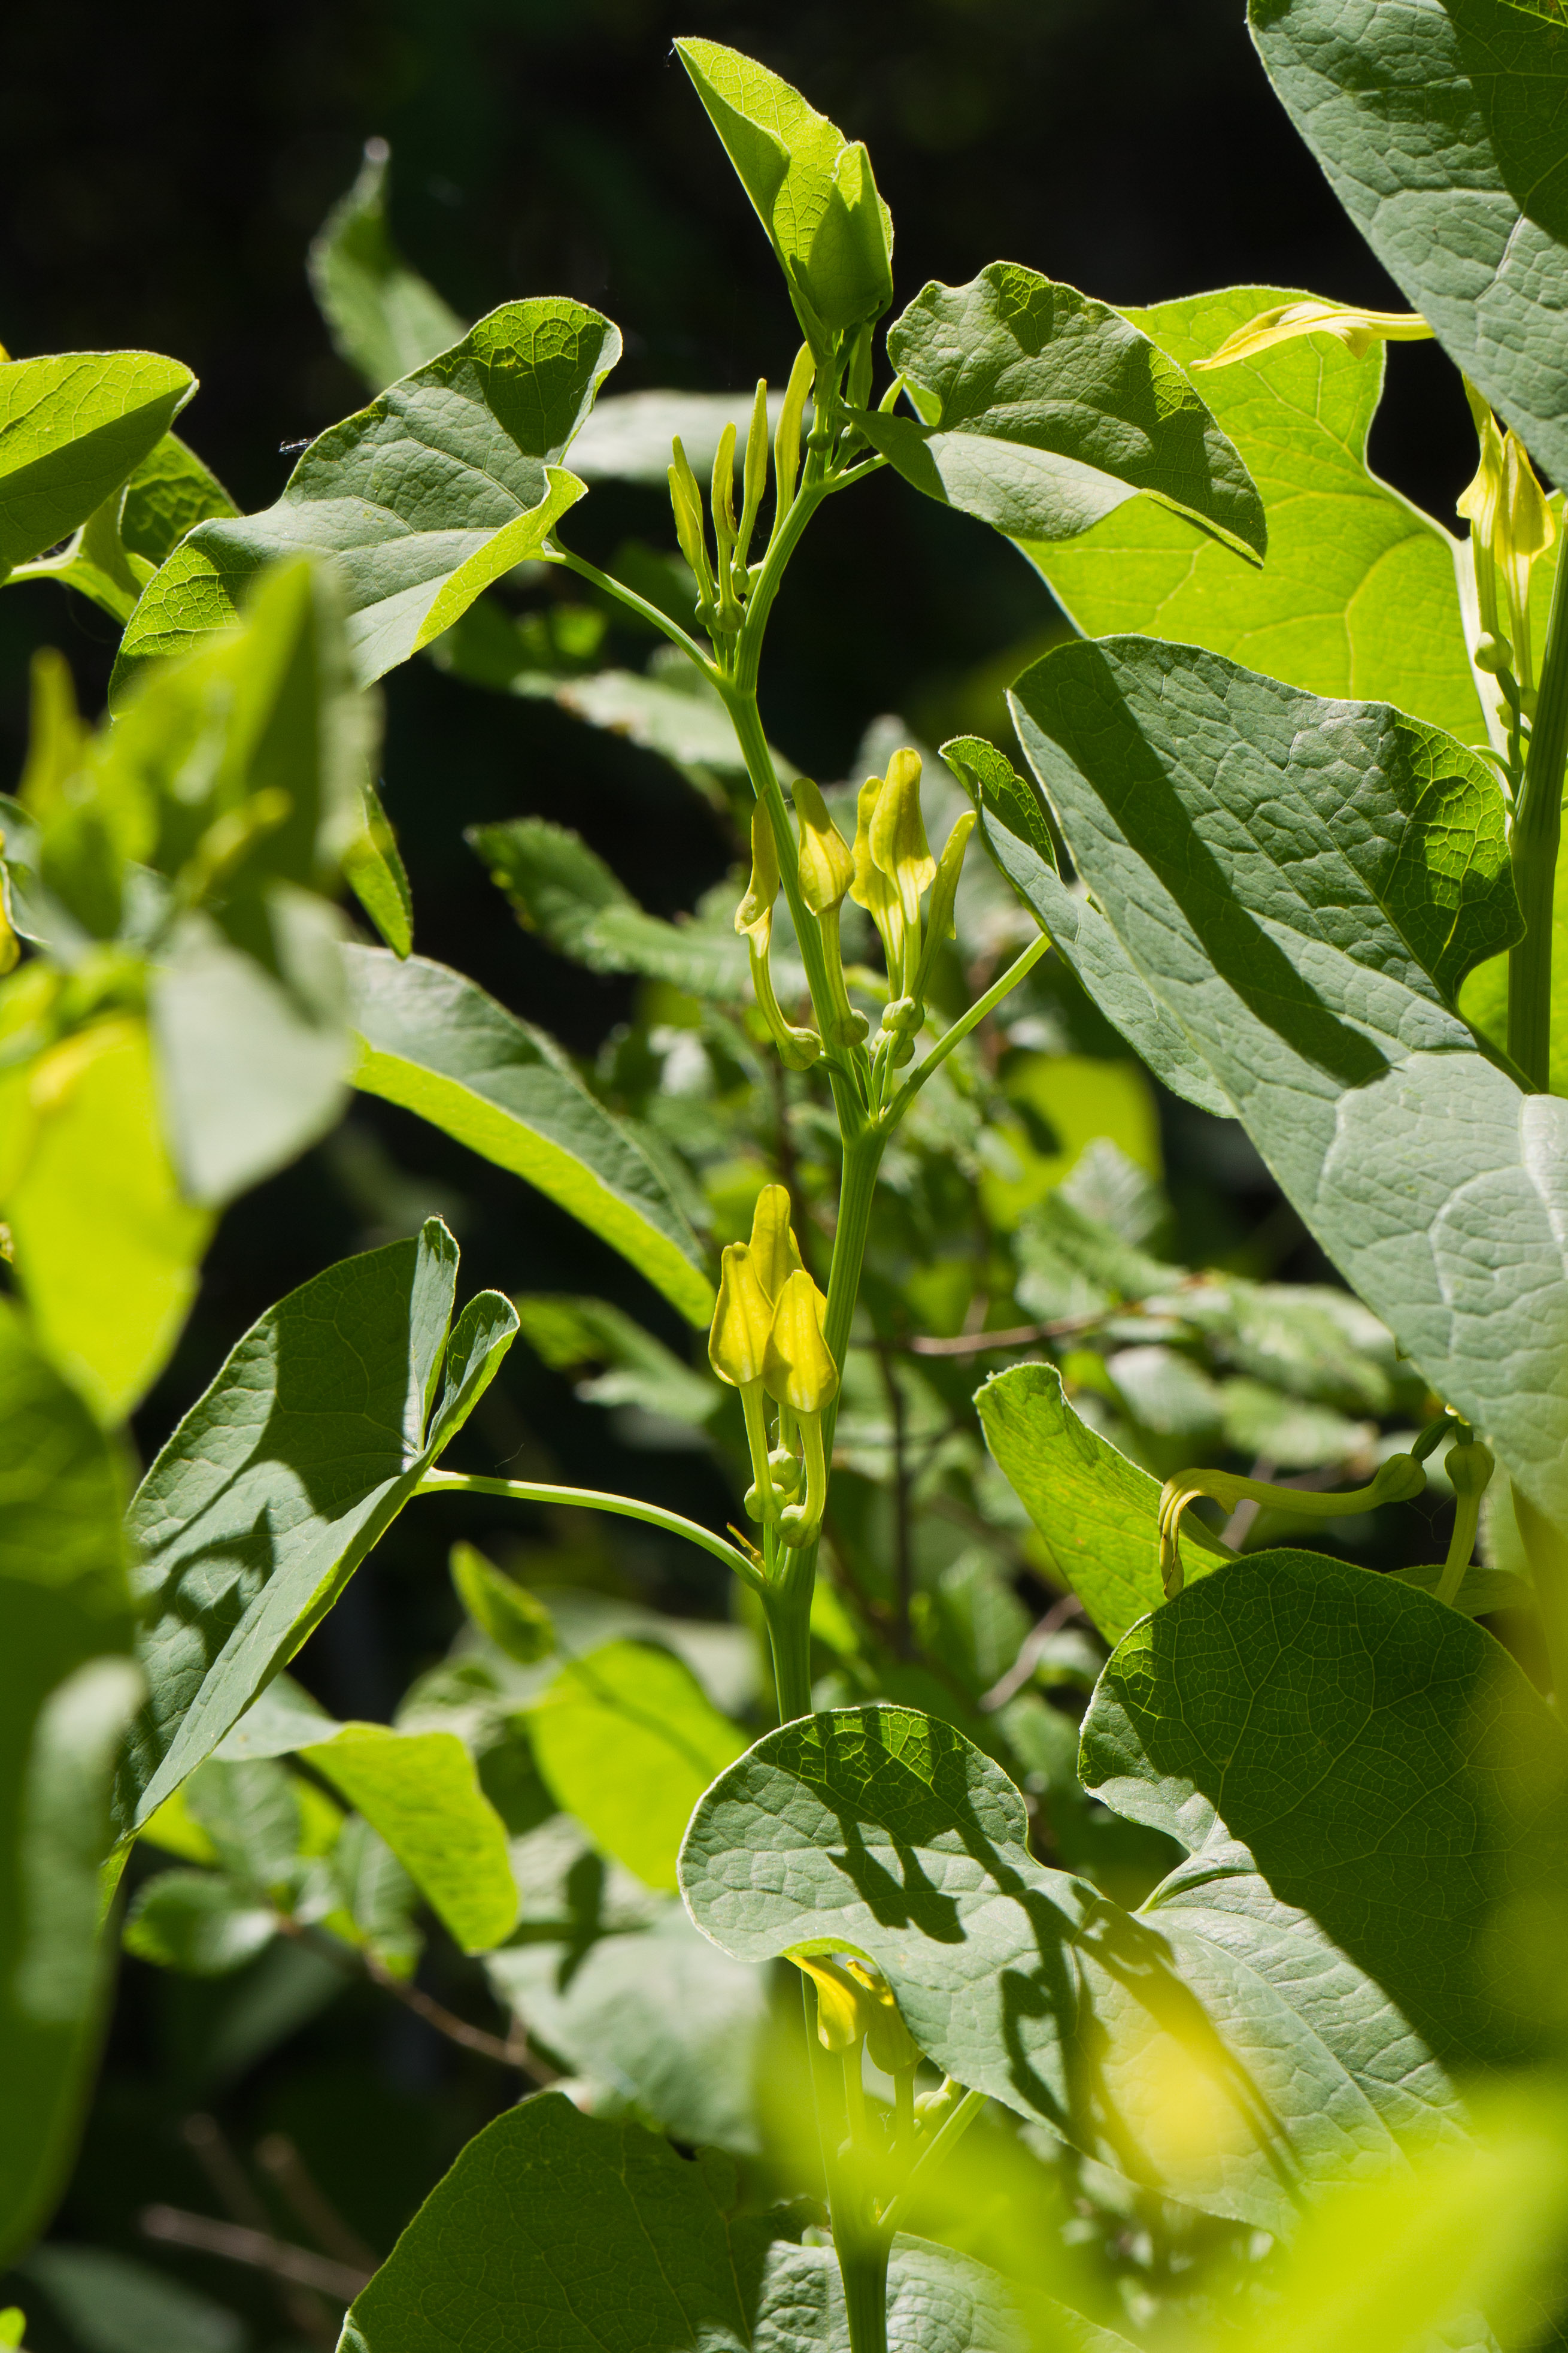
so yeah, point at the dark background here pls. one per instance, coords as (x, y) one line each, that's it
(165, 170)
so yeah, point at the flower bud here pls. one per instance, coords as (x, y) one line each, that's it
(772, 1251)
(1469, 1468)
(797, 1368)
(686, 504)
(738, 1341)
(755, 915)
(1525, 530)
(889, 2041)
(826, 863)
(897, 843)
(785, 1470)
(786, 441)
(840, 2019)
(754, 473)
(944, 891)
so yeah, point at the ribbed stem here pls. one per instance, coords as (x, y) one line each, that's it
(1537, 825)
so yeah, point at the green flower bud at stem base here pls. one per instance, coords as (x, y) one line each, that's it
(1469, 1466)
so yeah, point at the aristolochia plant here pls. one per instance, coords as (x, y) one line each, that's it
(1315, 895)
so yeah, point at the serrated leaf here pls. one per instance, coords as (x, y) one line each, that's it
(65, 1684)
(560, 889)
(385, 319)
(437, 1045)
(279, 1480)
(1331, 1723)
(1097, 1514)
(811, 189)
(1360, 595)
(107, 1252)
(625, 1739)
(1263, 858)
(1040, 411)
(1207, 2062)
(1013, 829)
(422, 498)
(1440, 125)
(374, 871)
(71, 430)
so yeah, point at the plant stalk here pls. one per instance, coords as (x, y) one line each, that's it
(1537, 825)
(590, 1499)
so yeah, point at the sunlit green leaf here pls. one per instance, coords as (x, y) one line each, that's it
(437, 1045)
(419, 1791)
(197, 1922)
(309, 1442)
(373, 869)
(115, 552)
(1360, 595)
(1041, 411)
(71, 430)
(811, 189)
(628, 1741)
(107, 1252)
(1441, 130)
(1237, 2063)
(1301, 882)
(445, 482)
(1096, 1512)
(66, 1686)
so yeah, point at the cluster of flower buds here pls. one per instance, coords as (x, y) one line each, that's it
(767, 1342)
(854, 2005)
(1511, 527)
(724, 580)
(887, 872)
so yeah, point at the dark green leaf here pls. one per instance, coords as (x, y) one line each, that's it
(1360, 595)
(1096, 1512)
(280, 1479)
(65, 1687)
(1442, 129)
(573, 1334)
(560, 889)
(385, 319)
(437, 1045)
(938, 2302)
(197, 1922)
(445, 482)
(1013, 825)
(112, 2304)
(513, 1618)
(1327, 1720)
(1301, 882)
(71, 430)
(1041, 411)
(169, 492)
(555, 2233)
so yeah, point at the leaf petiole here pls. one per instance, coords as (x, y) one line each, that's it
(960, 1028)
(555, 554)
(590, 1499)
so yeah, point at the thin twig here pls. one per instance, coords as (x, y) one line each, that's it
(511, 2052)
(904, 1553)
(204, 2137)
(173, 2226)
(283, 2165)
(1008, 1686)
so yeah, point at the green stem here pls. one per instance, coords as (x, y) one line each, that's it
(936, 2153)
(1462, 1545)
(590, 1499)
(635, 604)
(1537, 824)
(960, 1028)
(863, 2267)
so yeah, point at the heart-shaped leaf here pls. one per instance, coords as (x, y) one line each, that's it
(279, 1480)
(1360, 595)
(1303, 884)
(1384, 1763)
(1040, 411)
(437, 1045)
(1443, 131)
(72, 429)
(422, 498)
(1180, 2055)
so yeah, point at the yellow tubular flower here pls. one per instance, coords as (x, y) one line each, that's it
(797, 1368)
(774, 1255)
(737, 1350)
(827, 870)
(890, 2045)
(872, 889)
(943, 890)
(899, 844)
(1525, 530)
(840, 2017)
(1477, 502)
(755, 915)
(753, 478)
(786, 441)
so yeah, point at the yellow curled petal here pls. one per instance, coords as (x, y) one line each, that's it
(1357, 330)
(797, 1368)
(899, 844)
(738, 1341)
(827, 862)
(840, 2018)
(755, 915)
(774, 1255)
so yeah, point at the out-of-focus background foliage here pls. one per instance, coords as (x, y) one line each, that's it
(165, 172)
